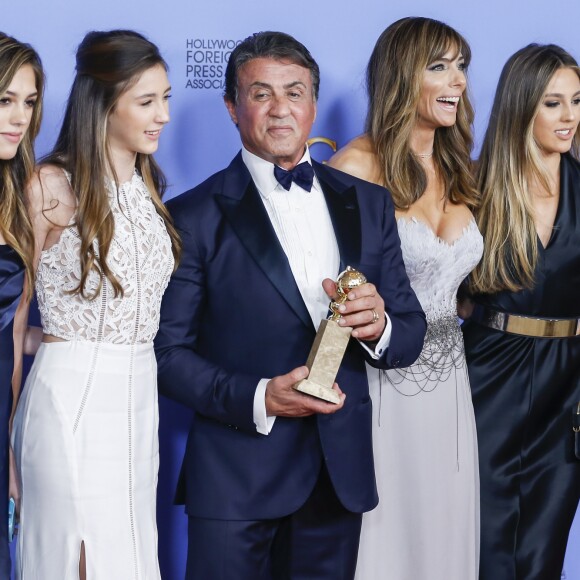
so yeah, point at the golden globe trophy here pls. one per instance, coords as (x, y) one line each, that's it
(330, 343)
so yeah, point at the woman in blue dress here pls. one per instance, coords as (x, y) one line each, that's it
(21, 86)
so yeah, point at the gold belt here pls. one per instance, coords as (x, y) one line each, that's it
(525, 325)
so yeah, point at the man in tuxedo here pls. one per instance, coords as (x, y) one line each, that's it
(275, 481)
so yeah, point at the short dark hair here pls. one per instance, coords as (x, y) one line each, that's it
(274, 45)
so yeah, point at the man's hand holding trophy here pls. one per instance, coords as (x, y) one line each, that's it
(330, 343)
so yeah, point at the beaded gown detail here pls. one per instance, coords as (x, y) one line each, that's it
(424, 439)
(85, 432)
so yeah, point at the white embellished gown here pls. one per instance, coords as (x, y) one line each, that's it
(85, 432)
(426, 526)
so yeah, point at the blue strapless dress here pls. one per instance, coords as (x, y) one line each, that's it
(11, 282)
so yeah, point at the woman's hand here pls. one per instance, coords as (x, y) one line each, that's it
(465, 307)
(13, 481)
(32, 340)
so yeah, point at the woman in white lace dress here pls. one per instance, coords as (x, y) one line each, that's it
(417, 144)
(85, 431)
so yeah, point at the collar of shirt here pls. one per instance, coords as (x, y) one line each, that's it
(262, 172)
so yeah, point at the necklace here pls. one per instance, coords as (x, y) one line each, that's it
(424, 155)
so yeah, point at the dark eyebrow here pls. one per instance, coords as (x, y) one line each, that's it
(294, 84)
(151, 95)
(449, 60)
(559, 95)
(287, 86)
(261, 85)
(13, 94)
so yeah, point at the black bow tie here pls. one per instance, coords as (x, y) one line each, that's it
(302, 175)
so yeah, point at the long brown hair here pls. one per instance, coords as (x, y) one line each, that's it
(15, 173)
(394, 77)
(509, 163)
(107, 65)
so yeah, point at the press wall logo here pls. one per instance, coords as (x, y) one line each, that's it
(206, 60)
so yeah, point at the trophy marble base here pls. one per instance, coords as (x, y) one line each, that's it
(324, 361)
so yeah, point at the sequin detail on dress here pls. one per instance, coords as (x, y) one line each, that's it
(424, 436)
(435, 269)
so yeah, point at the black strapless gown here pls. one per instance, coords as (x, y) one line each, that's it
(524, 390)
(11, 281)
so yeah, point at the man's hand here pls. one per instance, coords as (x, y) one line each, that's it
(283, 401)
(363, 311)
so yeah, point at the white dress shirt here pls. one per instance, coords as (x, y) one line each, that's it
(304, 229)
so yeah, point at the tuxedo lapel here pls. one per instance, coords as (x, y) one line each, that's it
(344, 212)
(241, 204)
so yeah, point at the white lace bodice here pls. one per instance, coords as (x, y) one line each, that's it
(140, 257)
(436, 268)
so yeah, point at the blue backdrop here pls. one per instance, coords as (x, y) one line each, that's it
(196, 37)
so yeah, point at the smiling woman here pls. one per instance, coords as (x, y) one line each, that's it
(17, 105)
(85, 430)
(136, 122)
(523, 344)
(21, 88)
(417, 144)
(443, 85)
(557, 118)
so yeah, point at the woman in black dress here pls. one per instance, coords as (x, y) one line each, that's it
(21, 84)
(523, 340)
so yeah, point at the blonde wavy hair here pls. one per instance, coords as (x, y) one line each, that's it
(394, 79)
(15, 173)
(107, 65)
(509, 164)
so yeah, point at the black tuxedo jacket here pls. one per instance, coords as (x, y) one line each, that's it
(233, 314)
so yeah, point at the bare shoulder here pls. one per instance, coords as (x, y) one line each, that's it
(459, 212)
(359, 159)
(49, 194)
